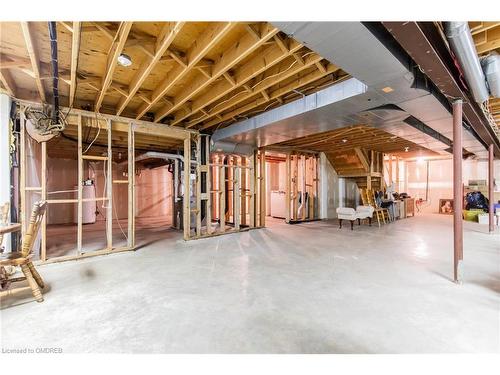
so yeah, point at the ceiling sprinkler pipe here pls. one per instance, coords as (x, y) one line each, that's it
(462, 45)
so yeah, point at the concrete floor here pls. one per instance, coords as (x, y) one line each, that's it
(307, 288)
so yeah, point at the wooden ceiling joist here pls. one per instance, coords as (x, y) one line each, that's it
(116, 50)
(75, 51)
(8, 82)
(197, 51)
(35, 59)
(165, 39)
(241, 49)
(305, 80)
(257, 65)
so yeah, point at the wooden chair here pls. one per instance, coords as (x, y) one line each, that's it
(23, 258)
(4, 216)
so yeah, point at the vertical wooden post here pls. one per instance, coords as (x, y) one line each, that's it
(208, 207)
(491, 194)
(295, 190)
(131, 187)
(80, 189)
(288, 182)
(236, 194)
(186, 216)
(244, 190)
(109, 191)
(397, 174)
(198, 185)
(222, 196)
(457, 189)
(262, 222)
(43, 229)
(304, 187)
(252, 176)
(390, 169)
(22, 182)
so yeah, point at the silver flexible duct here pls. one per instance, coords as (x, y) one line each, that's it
(462, 45)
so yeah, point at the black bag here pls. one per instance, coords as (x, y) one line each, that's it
(476, 200)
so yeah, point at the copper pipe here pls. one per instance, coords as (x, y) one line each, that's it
(457, 188)
(491, 195)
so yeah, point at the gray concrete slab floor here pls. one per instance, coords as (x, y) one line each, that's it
(306, 288)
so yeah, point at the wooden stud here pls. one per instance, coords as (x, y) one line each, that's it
(262, 222)
(22, 170)
(208, 179)
(236, 197)
(43, 228)
(80, 189)
(131, 187)
(109, 191)
(222, 197)
(288, 181)
(243, 191)
(198, 185)
(187, 189)
(253, 177)
(304, 187)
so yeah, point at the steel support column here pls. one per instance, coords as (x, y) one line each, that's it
(491, 196)
(457, 189)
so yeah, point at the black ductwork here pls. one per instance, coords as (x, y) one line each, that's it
(55, 71)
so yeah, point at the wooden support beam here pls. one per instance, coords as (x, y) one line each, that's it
(262, 181)
(236, 195)
(204, 43)
(198, 185)
(255, 66)
(8, 82)
(34, 57)
(222, 198)
(109, 190)
(167, 35)
(75, 51)
(131, 187)
(43, 182)
(288, 182)
(243, 191)
(80, 189)
(281, 44)
(116, 49)
(252, 177)
(186, 215)
(304, 187)
(208, 179)
(362, 159)
(239, 51)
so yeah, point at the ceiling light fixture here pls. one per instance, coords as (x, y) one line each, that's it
(344, 140)
(407, 149)
(124, 60)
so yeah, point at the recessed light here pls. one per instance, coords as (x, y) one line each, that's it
(387, 89)
(124, 60)
(344, 140)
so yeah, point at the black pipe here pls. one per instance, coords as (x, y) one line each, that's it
(55, 71)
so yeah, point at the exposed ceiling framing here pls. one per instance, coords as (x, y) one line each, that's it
(358, 136)
(200, 75)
